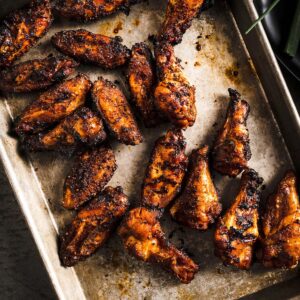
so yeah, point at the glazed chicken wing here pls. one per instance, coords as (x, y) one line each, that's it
(198, 206)
(165, 171)
(21, 30)
(116, 113)
(91, 172)
(106, 52)
(237, 230)
(36, 74)
(179, 17)
(143, 238)
(174, 95)
(231, 150)
(53, 105)
(92, 226)
(141, 76)
(281, 226)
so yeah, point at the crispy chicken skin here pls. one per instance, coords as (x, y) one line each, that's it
(36, 74)
(97, 49)
(141, 77)
(115, 111)
(179, 17)
(174, 95)
(143, 238)
(91, 172)
(237, 230)
(281, 226)
(231, 150)
(21, 30)
(81, 128)
(53, 105)
(198, 206)
(165, 171)
(92, 226)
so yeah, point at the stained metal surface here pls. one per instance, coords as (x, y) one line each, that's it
(221, 61)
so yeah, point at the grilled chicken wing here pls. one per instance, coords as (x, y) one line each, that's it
(231, 150)
(21, 30)
(116, 112)
(179, 17)
(54, 105)
(281, 226)
(143, 238)
(237, 230)
(85, 46)
(91, 172)
(198, 206)
(174, 96)
(92, 226)
(165, 171)
(36, 74)
(83, 127)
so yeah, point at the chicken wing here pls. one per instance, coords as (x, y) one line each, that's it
(106, 52)
(81, 128)
(21, 30)
(165, 171)
(231, 150)
(237, 230)
(91, 172)
(179, 17)
(53, 105)
(92, 226)
(281, 226)
(36, 74)
(198, 206)
(116, 112)
(143, 238)
(174, 96)
(141, 76)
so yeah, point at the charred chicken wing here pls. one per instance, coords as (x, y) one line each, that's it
(91, 172)
(174, 96)
(237, 230)
(116, 112)
(85, 46)
(36, 74)
(21, 30)
(53, 105)
(281, 226)
(143, 238)
(92, 226)
(231, 149)
(198, 206)
(165, 171)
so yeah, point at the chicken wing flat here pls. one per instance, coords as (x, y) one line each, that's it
(92, 226)
(53, 105)
(231, 150)
(166, 169)
(115, 111)
(237, 230)
(198, 206)
(91, 172)
(174, 95)
(21, 30)
(36, 74)
(179, 17)
(281, 226)
(141, 77)
(97, 49)
(143, 238)
(81, 128)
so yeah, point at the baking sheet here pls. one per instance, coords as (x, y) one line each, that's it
(221, 62)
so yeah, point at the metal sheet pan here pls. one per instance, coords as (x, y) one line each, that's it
(222, 62)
